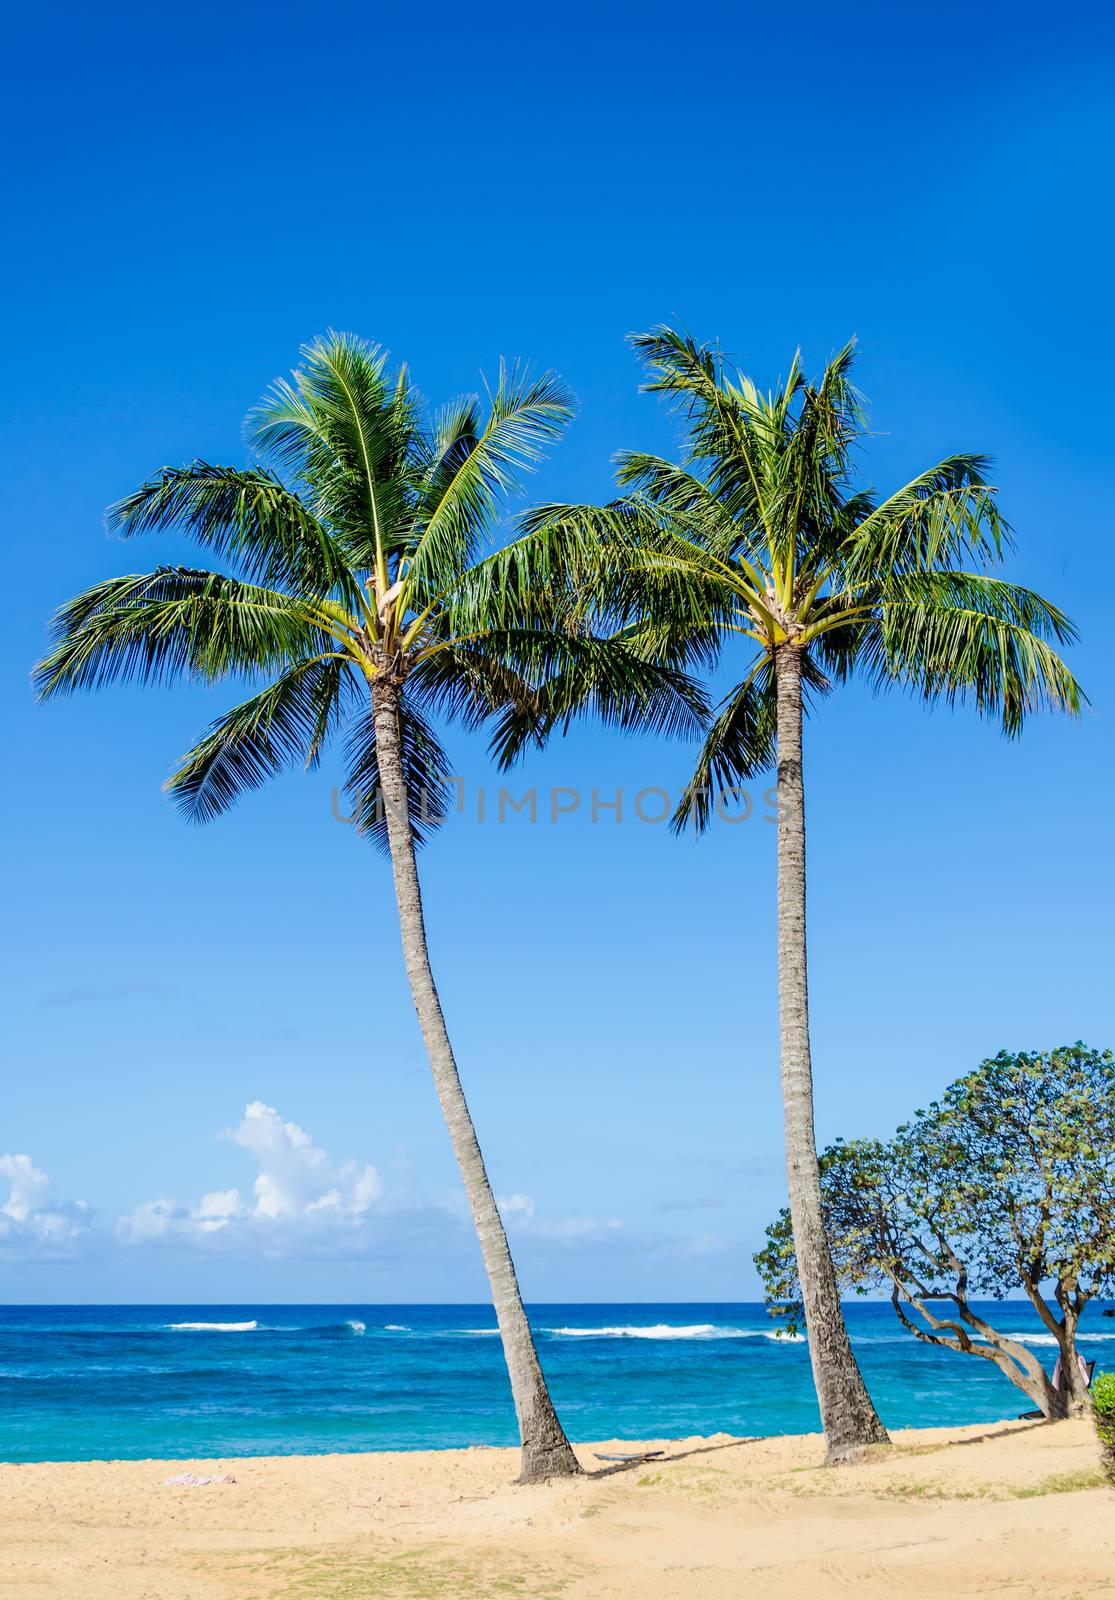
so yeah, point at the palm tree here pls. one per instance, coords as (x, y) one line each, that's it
(362, 602)
(762, 536)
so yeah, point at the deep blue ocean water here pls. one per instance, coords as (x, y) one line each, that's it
(95, 1382)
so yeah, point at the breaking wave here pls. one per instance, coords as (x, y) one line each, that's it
(213, 1327)
(658, 1330)
(1047, 1338)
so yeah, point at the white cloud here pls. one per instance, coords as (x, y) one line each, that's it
(578, 1227)
(152, 1220)
(296, 1177)
(218, 1209)
(32, 1214)
(297, 1188)
(518, 1212)
(31, 1190)
(293, 1201)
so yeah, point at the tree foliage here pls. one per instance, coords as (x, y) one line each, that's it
(1103, 1410)
(764, 534)
(1005, 1184)
(367, 546)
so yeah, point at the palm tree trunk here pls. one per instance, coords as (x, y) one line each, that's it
(849, 1418)
(546, 1452)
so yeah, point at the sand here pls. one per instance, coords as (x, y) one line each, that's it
(1015, 1510)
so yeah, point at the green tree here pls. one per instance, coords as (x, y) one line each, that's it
(763, 538)
(1006, 1183)
(1104, 1413)
(363, 601)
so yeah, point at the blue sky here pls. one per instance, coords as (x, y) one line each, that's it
(196, 193)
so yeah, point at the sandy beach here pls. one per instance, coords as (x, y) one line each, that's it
(1013, 1508)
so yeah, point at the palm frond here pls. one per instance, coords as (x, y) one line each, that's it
(566, 675)
(173, 622)
(689, 505)
(959, 636)
(740, 744)
(737, 747)
(285, 724)
(946, 516)
(732, 434)
(810, 472)
(623, 564)
(465, 682)
(345, 430)
(442, 452)
(474, 474)
(244, 515)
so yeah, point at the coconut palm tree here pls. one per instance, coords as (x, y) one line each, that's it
(762, 537)
(362, 600)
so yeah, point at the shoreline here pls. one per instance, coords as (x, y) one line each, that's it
(437, 1451)
(192, 1379)
(1018, 1505)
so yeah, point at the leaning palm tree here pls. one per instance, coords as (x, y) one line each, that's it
(363, 602)
(762, 538)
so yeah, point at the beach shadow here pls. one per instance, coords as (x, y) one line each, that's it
(879, 1455)
(611, 1468)
(980, 1438)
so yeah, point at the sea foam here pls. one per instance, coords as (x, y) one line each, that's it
(658, 1330)
(1047, 1338)
(213, 1327)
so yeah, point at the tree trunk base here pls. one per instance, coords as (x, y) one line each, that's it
(847, 1455)
(540, 1463)
(864, 1439)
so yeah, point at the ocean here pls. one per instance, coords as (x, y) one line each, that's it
(97, 1382)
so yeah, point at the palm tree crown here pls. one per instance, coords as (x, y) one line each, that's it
(357, 547)
(761, 534)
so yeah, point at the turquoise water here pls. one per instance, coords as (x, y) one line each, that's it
(79, 1383)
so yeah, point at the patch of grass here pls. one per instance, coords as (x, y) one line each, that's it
(418, 1574)
(896, 1489)
(1055, 1483)
(691, 1483)
(1062, 1483)
(937, 1489)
